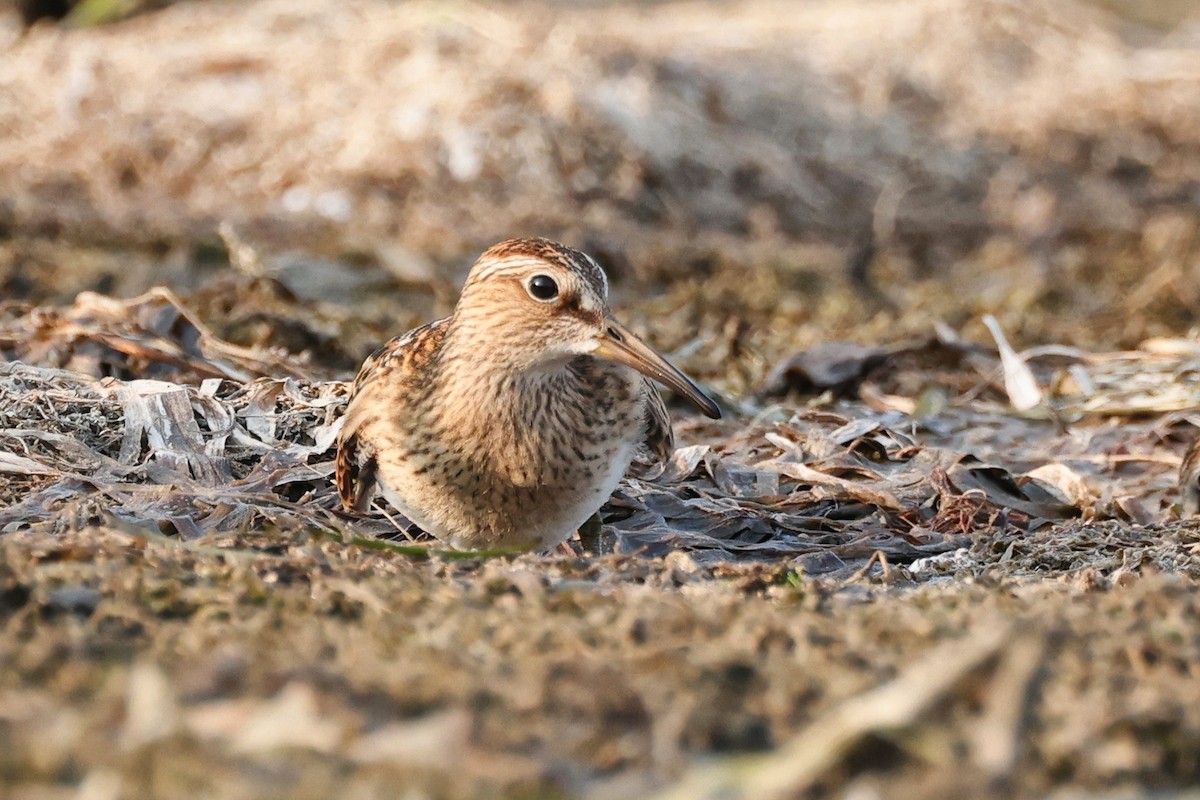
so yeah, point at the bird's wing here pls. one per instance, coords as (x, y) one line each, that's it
(660, 439)
(387, 377)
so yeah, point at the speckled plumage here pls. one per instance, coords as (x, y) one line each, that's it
(507, 423)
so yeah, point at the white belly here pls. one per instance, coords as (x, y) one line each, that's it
(544, 514)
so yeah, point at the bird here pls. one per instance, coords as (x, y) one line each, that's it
(509, 423)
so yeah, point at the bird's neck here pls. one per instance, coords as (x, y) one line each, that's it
(505, 406)
(492, 367)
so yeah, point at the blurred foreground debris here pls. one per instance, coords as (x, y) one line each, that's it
(797, 765)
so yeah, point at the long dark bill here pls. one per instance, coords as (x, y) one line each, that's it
(618, 344)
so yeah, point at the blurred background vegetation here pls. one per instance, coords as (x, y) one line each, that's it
(757, 176)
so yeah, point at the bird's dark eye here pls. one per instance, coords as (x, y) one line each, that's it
(543, 287)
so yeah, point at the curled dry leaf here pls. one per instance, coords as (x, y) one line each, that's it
(1068, 484)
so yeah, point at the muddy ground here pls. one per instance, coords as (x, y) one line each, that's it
(928, 552)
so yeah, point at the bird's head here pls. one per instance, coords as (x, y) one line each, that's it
(541, 304)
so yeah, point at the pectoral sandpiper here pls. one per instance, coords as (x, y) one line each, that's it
(510, 422)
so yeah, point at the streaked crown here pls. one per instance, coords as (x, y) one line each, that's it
(518, 257)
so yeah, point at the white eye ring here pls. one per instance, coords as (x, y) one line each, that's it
(542, 288)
